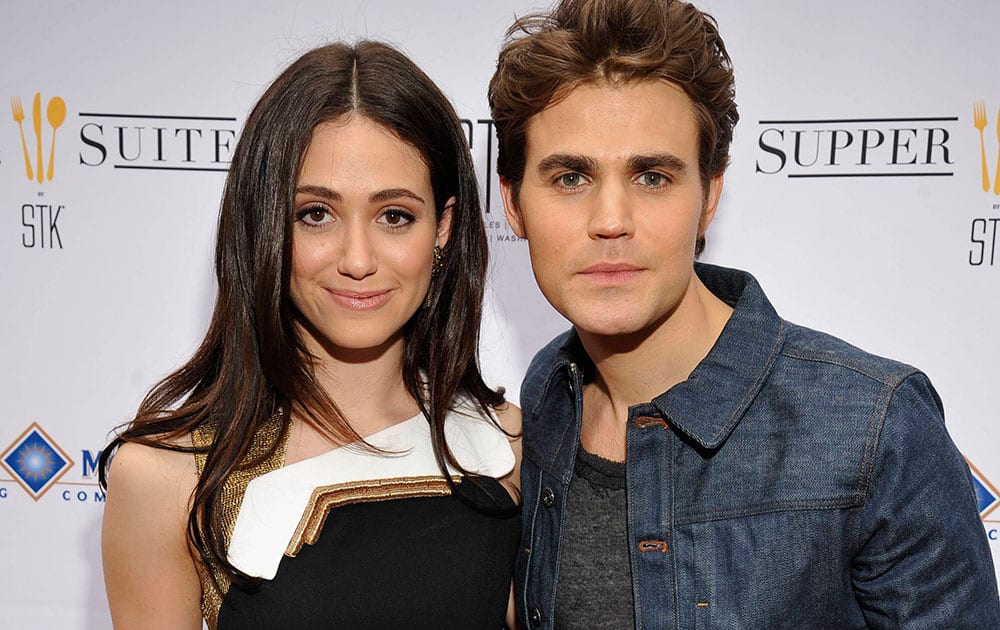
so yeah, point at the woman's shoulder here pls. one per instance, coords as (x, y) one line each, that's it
(158, 477)
(487, 441)
(506, 414)
(509, 416)
(150, 569)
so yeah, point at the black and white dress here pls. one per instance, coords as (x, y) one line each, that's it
(354, 538)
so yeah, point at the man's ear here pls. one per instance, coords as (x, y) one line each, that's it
(444, 224)
(712, 196)
(510, 207)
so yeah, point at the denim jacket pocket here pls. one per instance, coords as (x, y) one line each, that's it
(794, 562)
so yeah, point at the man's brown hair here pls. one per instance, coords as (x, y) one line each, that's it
(613, 42)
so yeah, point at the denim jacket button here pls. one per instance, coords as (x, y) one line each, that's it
(647, 422)
(535, 617)
(548, 497)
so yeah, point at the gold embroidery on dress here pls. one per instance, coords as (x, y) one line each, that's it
(326, 498)
(270, 435)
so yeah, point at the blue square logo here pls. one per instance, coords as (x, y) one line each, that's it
(35, 461)
(987, 496)
(984, 496)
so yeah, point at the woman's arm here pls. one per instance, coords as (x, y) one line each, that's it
(510, 419)
(149, 567)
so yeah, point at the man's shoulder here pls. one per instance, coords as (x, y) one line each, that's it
(758, 320)
(804, 344)
(823, 376)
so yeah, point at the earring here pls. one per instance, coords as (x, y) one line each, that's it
(438, 262)
(436, 266)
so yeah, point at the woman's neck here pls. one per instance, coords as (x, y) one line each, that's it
(366, 385)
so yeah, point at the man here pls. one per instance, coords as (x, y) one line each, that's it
(691, 459)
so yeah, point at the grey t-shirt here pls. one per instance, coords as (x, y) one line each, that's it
(595, 583)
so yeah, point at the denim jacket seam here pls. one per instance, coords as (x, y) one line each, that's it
(876, 422)
(896, 380)
(672, 446)
(530, 564)
(839, 360)
(631, 541)
(791, 505)
(550, 603)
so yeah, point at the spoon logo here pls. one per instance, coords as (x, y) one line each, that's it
(35, 166)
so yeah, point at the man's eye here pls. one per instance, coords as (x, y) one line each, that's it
(652, 179)
(570, 180)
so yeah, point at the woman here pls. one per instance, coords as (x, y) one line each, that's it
(330, 456)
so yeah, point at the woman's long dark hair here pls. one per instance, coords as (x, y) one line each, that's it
(252, 366)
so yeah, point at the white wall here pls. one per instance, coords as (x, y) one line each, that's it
(118, 293)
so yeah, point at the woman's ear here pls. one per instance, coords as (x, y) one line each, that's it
(444, 224)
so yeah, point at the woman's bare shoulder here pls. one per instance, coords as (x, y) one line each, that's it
(149, 567)
(154, 470)
(509, 416)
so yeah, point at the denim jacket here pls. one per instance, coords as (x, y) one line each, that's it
(792, 481)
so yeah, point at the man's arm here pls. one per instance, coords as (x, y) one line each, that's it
(924, 560)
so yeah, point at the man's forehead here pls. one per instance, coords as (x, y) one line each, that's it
(635, 118)
(611, 88)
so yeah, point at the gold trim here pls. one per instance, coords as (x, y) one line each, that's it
(273, 434)
(326, 498)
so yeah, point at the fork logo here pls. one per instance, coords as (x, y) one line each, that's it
(35, 166)
(980, 120)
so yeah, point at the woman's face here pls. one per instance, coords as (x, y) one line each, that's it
(363, 237)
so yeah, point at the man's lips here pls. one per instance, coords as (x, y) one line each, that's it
(612, 267)
(611, 272)
(360, 300)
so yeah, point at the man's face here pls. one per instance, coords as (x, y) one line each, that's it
(612, 204)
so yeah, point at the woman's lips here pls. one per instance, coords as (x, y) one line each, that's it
(360, 300)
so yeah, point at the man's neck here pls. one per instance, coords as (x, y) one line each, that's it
(632, 369)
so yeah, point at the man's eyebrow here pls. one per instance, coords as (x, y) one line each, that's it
(567, 161)
(666, 161)
(376, 197)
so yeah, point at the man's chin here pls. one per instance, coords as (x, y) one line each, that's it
(611, 327)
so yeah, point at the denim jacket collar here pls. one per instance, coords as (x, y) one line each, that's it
(710, 403)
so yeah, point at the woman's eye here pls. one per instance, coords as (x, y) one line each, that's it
(396, 218)
(570, 180)
(652, 179)
(315, 215)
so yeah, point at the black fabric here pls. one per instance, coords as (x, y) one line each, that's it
(425, 562)
(595, 576)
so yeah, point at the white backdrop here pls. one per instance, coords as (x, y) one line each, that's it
(878, 230)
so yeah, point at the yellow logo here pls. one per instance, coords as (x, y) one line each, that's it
(55, 114)
(979, 120)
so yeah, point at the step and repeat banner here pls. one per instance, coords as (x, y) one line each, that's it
(864, 194)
